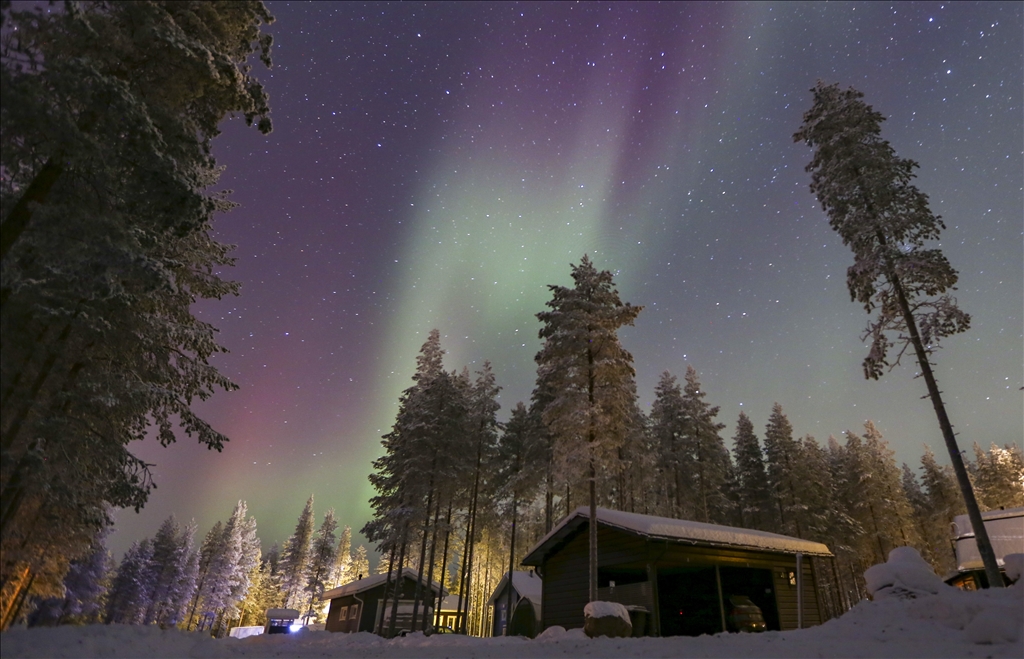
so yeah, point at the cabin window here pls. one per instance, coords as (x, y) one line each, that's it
(344, 613)
(792, 577)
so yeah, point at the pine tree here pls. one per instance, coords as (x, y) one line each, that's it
(999, 476)
(866, 191)
(592, 376)
(783, 457)
(360, 563)
(341, 573)
(711, 464)
(757, 505)
(128, 598)
(518, 479)
(322, 555)
(295, 555)
(668, 428)
(107, 201)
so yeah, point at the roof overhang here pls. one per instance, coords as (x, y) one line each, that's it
(673, 530)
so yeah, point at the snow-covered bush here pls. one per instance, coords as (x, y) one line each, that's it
(904, 576)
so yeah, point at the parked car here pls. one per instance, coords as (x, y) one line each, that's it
(744, 615)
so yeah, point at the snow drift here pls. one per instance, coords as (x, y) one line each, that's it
(916, 618)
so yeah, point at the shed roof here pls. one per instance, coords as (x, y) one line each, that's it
(356, 587)
(678, 530)
(527, 584)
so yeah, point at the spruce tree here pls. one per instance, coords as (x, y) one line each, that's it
(782, 453)
(322, 554)
(999, 476)
(128, 597)
(295, 555)
(711, 464)
(668, 429)
(757, 509)
(867, 192)
(341, 573)
(592, 378)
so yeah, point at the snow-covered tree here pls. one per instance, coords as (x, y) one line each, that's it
(295, 556)
(341, 572)
(107, 200)
(999, 476)
(128, 598)
(712, 467)
(592, 377)
(758, 508)
(169, 573)
(85, 589)
(782, 454)
(322, 555)
(867, 192)
(360, 563)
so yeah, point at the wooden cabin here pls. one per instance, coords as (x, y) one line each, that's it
(449, 615)
(525, 586)
(681, 573)
(356, 606)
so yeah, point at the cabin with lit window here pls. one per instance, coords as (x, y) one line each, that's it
(680, 578)
(357, 606)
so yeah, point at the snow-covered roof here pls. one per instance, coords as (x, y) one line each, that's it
(679, 530)
(372, 581)
(527, 584)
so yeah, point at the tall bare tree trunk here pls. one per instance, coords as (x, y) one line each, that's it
(988, 556)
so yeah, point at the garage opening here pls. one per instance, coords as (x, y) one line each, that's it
(688, 601)
(755, 584)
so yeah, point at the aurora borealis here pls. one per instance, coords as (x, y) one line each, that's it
(437, 165)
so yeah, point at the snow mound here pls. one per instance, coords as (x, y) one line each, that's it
(606, 610)
(904, 576)
(1014, 564)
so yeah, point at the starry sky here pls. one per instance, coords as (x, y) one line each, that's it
(438, 165)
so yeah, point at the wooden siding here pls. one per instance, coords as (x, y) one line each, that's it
(565, 573)
(368, 609)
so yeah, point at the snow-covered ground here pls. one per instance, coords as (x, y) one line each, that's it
(912, 615)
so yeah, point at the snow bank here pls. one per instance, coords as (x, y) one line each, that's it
(950, 623)
(904, 576)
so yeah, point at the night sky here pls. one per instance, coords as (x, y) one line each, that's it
(438, 165)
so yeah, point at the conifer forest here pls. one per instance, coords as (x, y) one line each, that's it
(109, 194)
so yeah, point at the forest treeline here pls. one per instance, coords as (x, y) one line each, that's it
(452, 475)
(461, 496)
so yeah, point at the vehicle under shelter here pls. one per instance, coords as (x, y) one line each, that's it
(686, 576)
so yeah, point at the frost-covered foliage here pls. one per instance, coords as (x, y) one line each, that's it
(999, 476)
(295, 556)
(866, 191)
(590, 373)
(757, 507)
(697, 467)
(320, 563)
(434, 475)
(130, 589)
(85, 590)
(591, 380)
(107, 198)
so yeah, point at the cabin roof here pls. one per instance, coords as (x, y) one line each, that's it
(372, 581)
(527, 584)
(678, 530)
